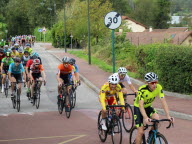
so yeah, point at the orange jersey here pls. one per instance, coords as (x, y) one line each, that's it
(36, 69)
(65, 70)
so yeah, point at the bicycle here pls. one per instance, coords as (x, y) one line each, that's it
(113, 125)
(62, 100)
(127, 115)
(16, 97)
(6, 86)
(155, 136)
(73, 96)
(36, 94)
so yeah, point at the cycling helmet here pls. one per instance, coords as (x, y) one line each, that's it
(6, 46)
(17, 59)
(13, 48)
(113, 79)
(122, 70)
(72, 61)
(28, 45)
(34, 57)
(35, 54)
(8, 54)
(20, 50)
(66, 59)
(26, 52)
(16, 45)
(36, 61)
(151, 76)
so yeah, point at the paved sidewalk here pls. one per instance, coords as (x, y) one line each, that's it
(179, 105)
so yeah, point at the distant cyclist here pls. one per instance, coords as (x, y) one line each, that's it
(76, 70)
(28, 48)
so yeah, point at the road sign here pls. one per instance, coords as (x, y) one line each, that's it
(40, 30)
(113, 20)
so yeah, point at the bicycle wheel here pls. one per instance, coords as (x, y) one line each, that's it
(18, 101)
(73, 101)
(133, 134)
(60, 104)
(116, 130)
(6, 87)
(128, 118)
(37, 98)
(14, 102)
(102, 133)
(68, 106)
(160, 139)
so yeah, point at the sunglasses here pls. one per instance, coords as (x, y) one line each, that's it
(123, 75)
(153, 83)
(36, 64)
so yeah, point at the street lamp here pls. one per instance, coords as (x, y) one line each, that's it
(71, 41)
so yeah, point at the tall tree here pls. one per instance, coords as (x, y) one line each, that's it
(162, 15)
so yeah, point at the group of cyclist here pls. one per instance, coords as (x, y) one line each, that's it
(21, 65)
(112, 93)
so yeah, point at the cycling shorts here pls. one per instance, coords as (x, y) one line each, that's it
(138, 116)
(66, 78)
(36, 75)
(18, 77)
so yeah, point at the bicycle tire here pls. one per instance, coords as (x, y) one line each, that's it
(60, 104)
(116, 130)
(160, 139)
(128, 118)
(68, 107)
(6, 87)
(102, 133)
(133, 134)
(14, 102)
(18, 101)
(38, 98)
(73, 99)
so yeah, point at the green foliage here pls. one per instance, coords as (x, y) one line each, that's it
(171, 62)
(40, 36)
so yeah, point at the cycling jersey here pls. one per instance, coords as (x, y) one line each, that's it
(7, 62)
(65, 70)
(7, 50)
(1, 58)
(106, 94)
(24, 60)
(16, 54)
(16, 69)
(38, 69)
(148, 96)
(76, 68)
(126, 79)
(30, 50)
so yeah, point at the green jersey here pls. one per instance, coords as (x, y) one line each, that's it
(7, 62)
(148, 96)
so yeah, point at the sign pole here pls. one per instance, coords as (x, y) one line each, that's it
(113, 50)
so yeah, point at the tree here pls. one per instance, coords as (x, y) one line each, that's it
(162, 15)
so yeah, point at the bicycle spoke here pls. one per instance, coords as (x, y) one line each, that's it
(116, 131)
(128, 118)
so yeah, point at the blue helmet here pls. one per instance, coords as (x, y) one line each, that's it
(35, 54)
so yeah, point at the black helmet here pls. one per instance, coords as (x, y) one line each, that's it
(26, 52)
(72, 61)
(34, 57)
(17, 59)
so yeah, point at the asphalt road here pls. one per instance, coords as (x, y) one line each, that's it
(46, 126)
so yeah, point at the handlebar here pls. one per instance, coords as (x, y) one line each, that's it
(113, 106)
(130, 94)
(158, 121)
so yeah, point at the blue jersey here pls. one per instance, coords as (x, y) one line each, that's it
(76, 68)
(7, 50)
(16, 69)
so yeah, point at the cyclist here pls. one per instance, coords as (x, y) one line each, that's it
(123, 77)
(16, 72)
(108, 94)
(14, 53)
(6, 49)
(6, 61)
(36, 73)
(16, 46)
(20, 51)
(63, 75)
(28, 48)
(2, 54)
(76, 70)
(143, 110)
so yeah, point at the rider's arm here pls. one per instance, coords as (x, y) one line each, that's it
(1, 66)
(142, 110)
(58, 76)
(43, 74)
(165, 107)
(121, 99)
(73, 77)
(102, 99)
(132, 88)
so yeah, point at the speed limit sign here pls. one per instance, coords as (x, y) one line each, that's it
(113, 20)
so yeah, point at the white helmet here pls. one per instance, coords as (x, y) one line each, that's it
(6, 46)
(114, 79)
(151, 76)
(122, 70)
(65, 59)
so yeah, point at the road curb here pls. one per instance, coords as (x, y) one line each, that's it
(160, 111)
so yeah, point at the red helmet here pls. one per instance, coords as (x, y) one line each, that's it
(36, 61)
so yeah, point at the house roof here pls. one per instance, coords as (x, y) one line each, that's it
(171, 29)
(128, 18)
(139, 38)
